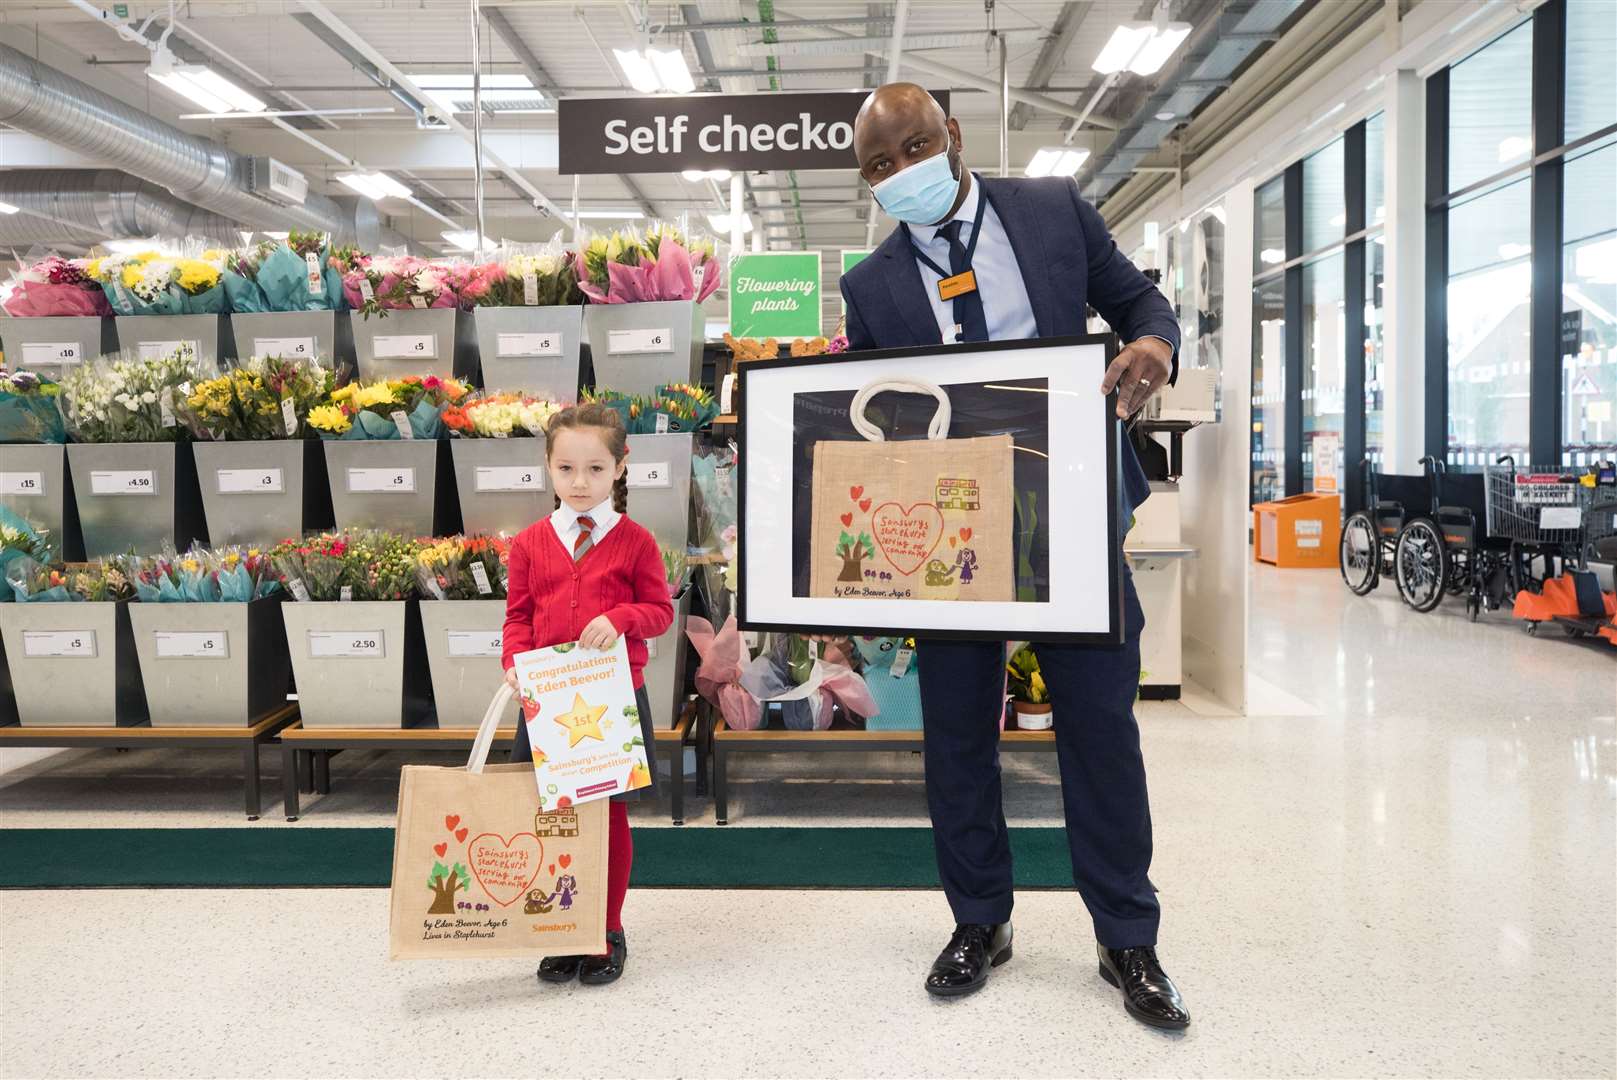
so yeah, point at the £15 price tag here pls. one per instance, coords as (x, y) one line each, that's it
(192, 644)
(64, 643)
(650, 474)
(36, 353)
(22, 483)
(381, 480)
(251, 481)
(334, 644)
(123, 482)
(640, 341)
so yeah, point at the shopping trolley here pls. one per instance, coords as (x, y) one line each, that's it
(1554, 519)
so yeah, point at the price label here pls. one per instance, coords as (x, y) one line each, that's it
(192, 644)
(510, 478)
(651, 648)
(726, 394)
(471, 643)
(317, 285)
(529, 345)
(22, 483)
(347, 594)
(289, 417)
(366, 293)
(285, 346)
(649, 474)
(381, 480)
(250, 482)
(123, 482)
(35, 353)
(334, 644)
(419, 302)
(640, 341)
(166, 408)
(401, 420)
(300, 592)
(405, 346)
(71, 643)
(156, 350)
(530, 288)
(480, 576)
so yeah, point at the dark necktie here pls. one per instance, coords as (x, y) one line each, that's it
(585, 540)
(968, 307)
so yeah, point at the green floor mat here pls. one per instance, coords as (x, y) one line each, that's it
(714, 858)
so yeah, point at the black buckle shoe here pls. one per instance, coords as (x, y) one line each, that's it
(559, 969)
(1148, 994)
(599, 970)
(963, 966)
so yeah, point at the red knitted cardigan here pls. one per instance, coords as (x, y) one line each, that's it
(550, 598)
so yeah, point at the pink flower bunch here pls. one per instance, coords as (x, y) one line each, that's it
(398, 282)
(57, 286)
(472, 283)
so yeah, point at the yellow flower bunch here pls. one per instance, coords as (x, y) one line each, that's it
(372, 394)
(329, 418)
(197, 276)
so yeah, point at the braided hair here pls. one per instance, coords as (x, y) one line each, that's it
(605, 419)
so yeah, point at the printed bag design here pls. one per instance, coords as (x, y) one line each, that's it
(921, 519)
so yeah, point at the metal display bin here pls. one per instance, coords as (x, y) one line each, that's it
(211, 334)
(73, 664)
(430, 341)
(533, 349)
(135, 495)
(659, 475)
(639, 347)
(463, 656)
(212, 665)
(53, 345)
(399, 485)
(358, 664)
(328, 335)
(262, 491)
(34, 485)
(503, 484)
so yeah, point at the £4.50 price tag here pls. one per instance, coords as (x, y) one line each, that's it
(156, 350)
(71, 643)
(529, 345)
(333, 644)
(22, 483)
(405, 346)
(470, 643)
(649, 474)
(640, 341)
(250, 481)
(192, 644)
(123, 482)
(381, 480)
(510, 478)
(285, 346)
(35, 353)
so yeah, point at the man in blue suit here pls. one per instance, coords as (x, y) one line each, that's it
(1019, 259)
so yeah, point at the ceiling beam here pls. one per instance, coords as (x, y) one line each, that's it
(536, 72)
(1050, 56)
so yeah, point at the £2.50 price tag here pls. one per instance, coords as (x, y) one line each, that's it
(640, 341)
(192, 644)
(69, 643)
(123, 482)
(335, 644)
(381, 480)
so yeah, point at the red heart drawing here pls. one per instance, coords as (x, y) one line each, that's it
(506, 868)
(452, 822)
(856, 491)
(965, 534)
(460, 835)
(864, 504)
(951, 541)
(565, 860)
(552, 869)
(847, 519)
(907, 537)
(440, 849)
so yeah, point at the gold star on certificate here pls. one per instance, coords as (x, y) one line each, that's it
(583, 722)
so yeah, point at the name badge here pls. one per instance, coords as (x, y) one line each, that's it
(951, 287)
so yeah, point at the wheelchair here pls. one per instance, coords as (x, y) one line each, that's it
(1449, 551)
(1370, 536)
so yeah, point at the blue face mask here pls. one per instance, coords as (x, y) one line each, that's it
(922, 194)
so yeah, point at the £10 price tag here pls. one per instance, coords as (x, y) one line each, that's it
(36, 353)
(58, 643)
(345, 644)
(192, 644)
(123, 482)
(251, 481)
(22, 483)
(381, 480)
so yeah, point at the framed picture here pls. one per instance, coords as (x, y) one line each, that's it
(966, 491)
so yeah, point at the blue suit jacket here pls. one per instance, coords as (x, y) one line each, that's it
(1068, 260)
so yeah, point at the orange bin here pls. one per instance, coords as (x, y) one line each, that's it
(1302, 531)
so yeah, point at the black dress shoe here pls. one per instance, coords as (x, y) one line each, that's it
(963, 966)
(559, 969)
(1148, 994)
(596, 970)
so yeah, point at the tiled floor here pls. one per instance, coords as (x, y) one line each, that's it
(1416, 874)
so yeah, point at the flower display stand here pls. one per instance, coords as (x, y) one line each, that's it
(212, 665)
(398, 485)
(463, 655)
(135, 495)
(659, 475)
(328, 335)
(503, 484)
(149, 336)
(665, 667)
(639, 347)
(54, 345)
(34, 486)
(72, 664)
(359, 664)
(532, 349)
(431, 341)
(262, 491)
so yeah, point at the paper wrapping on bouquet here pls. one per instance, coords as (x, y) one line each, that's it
(738, 684)
(481, 870)
(928, 519)
(583, 723)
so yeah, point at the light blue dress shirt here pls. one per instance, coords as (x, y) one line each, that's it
(999, 279)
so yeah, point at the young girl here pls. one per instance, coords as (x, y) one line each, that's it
(587, 573)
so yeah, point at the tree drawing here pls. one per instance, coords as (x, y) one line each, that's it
(445, 883)
(853, 552)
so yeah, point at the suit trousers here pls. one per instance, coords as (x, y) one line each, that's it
(1103, 787)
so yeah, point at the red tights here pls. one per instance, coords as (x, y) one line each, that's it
(619, 861)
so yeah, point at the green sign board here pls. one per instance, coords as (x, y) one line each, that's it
(775, 294)
(853, 257)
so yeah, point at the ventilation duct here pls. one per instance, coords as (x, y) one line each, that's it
(83, 206)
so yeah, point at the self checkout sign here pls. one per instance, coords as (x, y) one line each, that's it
(709, 131)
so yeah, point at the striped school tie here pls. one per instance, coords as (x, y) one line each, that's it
(586, 530)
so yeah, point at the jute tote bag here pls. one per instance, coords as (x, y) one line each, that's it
(480, 871)
(928, 519)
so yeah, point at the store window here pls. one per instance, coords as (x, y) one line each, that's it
(1491, 108)
(1324, 364)
(1324, 198)
(1268, 388)
(1375, 171)
(1269, 249)
(1198, 288)
(1588, 326)
(1591, 48)
(1375, 360)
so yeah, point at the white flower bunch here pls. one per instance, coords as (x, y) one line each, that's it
(130, 400)
(153, 279)
(546, 264)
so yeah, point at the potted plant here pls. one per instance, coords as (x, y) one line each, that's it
(497, 444)
(1030, 699)
(462, 584)
(69, 646)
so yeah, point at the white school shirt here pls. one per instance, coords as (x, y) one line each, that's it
(564, 519)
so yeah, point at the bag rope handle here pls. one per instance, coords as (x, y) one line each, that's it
(486, 730)
(937, 429)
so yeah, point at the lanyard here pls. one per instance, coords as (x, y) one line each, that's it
(971, 248)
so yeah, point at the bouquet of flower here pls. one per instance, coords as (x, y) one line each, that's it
(265, 397)
(499, 416)
(463, 567)
(20, 540)
(201, 575)
(57, 286)
(627, 267)
(129, 400)
(387, 409)
(674, 562)
(34, 581)
(29, 411)
(399, 282)
(304, 272)
(347, 566)
(677, 407)
(547, 276)
(693, 405)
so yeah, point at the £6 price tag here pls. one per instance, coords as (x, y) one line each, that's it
(640, 341)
